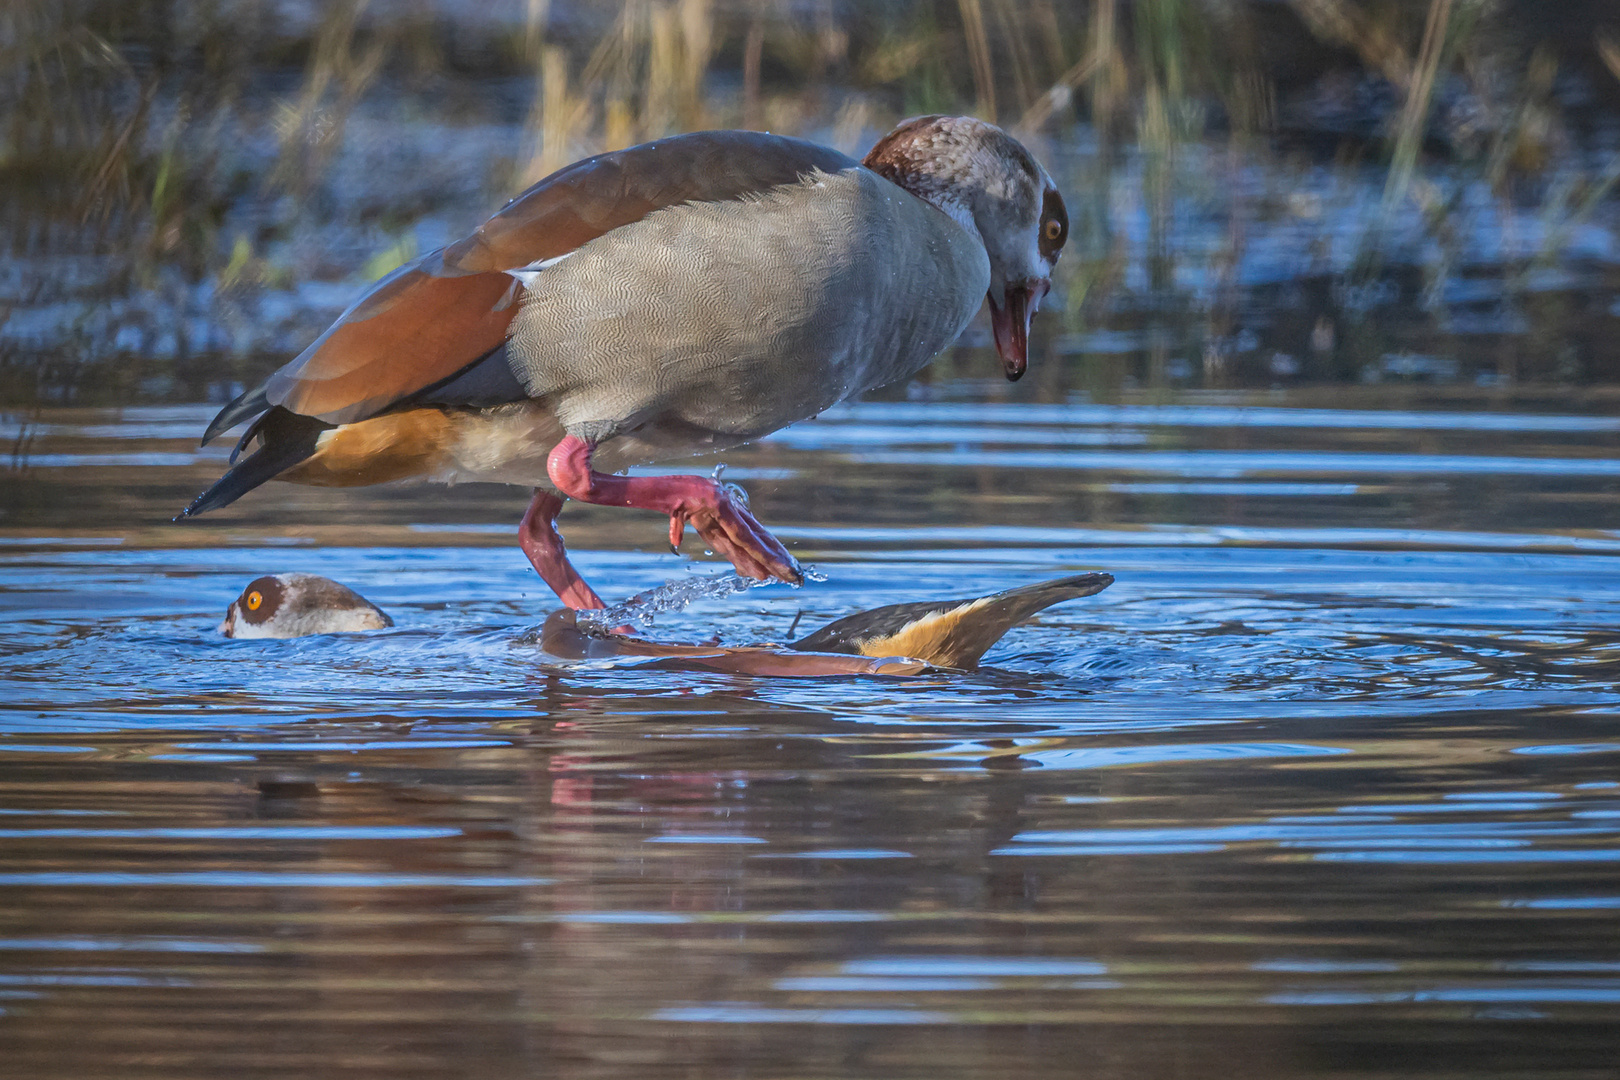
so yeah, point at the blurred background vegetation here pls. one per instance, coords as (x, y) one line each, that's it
(1264, 192)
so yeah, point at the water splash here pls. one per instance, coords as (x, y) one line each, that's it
(738, 495)
(676, 594)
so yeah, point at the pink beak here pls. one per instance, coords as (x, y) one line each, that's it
(1011, 323)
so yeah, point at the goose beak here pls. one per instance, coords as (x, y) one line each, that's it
(1010, 322)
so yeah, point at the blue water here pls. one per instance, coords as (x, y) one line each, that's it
(1327, 784)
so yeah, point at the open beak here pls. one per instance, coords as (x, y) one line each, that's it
(1010, 322)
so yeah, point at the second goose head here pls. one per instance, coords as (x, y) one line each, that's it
(296, 605)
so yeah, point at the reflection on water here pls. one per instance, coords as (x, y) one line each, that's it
(1327, 784)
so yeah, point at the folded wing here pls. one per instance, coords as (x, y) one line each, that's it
(434, 317)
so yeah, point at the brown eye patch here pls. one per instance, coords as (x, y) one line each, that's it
(260, 599)
(1054, 225)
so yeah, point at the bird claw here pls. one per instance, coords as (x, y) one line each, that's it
(725, 524)
(719, 512)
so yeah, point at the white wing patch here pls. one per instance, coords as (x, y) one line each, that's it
(528, 275)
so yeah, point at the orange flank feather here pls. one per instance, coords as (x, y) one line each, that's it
(415, 442)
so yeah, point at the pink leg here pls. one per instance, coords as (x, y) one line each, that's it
(726, 527)
(541, 543)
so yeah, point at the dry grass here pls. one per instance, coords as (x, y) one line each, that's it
(1418, 86)
(310, 127)
(80, 114)
(116, 128)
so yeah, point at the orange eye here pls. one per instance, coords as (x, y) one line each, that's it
(1054, 229)
(254, 599)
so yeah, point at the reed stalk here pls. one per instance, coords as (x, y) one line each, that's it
(1109, 79)
(1375, 37)
(1058, 95)
(1017, 39)
(311, 126)
(978, 49)
(559, 116)
(753, 53)
(663, 72)
(696, 50)
(1414, 115)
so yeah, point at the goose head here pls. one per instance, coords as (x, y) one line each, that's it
(993, 187)
(295, 605)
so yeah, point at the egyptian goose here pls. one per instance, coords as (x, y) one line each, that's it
(901, 639)
(675, 298)
(296, 605)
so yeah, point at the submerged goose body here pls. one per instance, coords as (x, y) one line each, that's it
(899, 639)
(671, 299)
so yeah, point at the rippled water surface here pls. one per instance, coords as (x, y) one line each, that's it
(1327, 784)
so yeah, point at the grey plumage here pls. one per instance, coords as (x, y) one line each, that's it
(706, 325)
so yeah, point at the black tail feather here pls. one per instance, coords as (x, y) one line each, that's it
(252, 431)
(1015, 605)
(249, 404)
(286, 439)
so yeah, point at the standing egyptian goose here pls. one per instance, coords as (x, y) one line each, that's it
(675, 298)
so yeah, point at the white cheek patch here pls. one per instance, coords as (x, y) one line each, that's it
(1036, 259)
(1029, 264)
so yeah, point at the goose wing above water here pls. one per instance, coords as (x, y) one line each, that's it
(441, 314)
(948, 633)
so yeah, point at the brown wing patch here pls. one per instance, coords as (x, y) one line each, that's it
(415, 442)
(430, 319)
(591, 197)
(419, 326)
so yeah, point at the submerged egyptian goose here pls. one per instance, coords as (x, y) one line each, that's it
(676, 298)
(297, 605)
(900, 639)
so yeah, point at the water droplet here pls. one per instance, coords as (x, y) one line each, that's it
(737, 494)
(674, 595)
